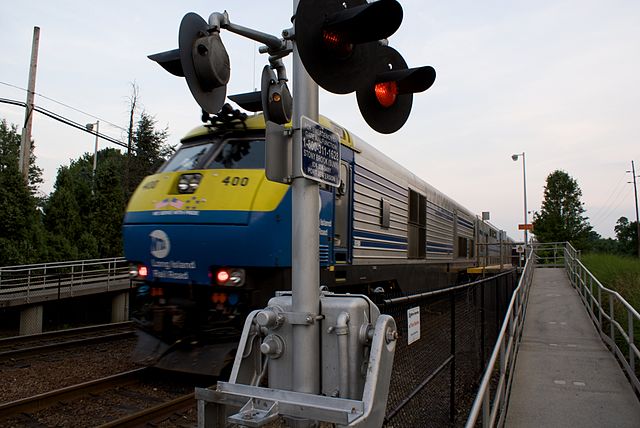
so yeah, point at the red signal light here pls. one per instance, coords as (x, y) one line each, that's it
(386, 93)
(143, 271)
(222, 276)
(336, 43)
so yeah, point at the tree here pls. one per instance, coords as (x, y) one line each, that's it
(21, 231)
(560, 218)
(86, 223)
(627, 236)
(151, 150)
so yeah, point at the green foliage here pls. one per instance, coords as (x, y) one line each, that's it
(627, 235)
(150, 149)
(83, 215)
(619, 273)
(560, 218)
(21, 231)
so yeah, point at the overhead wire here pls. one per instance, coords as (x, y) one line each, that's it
(66, 121)
(613, 194)
(67, 106)
(613, 208)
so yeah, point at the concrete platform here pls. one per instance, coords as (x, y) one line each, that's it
(489, 269)
(564, 375)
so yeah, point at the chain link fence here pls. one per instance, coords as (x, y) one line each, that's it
(435, 376)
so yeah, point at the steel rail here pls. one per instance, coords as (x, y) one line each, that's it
(34, 350)
(152, 414)
(47, 399)
(8, 341)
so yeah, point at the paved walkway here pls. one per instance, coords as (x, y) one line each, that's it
(564, 375)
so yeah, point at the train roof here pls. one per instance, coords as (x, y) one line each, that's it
(256, 122)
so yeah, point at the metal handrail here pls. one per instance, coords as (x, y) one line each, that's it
(584, 281)
(28, 279)
(504, 353)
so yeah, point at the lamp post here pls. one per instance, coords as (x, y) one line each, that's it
(89, 127)
(524, 180)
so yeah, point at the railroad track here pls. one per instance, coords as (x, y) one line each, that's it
(130, 399)
(20, 346)
(155, 414)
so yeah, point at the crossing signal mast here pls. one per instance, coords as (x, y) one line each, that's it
(340, 45)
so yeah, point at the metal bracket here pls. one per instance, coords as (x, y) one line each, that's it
(251, 415)
(301, 318)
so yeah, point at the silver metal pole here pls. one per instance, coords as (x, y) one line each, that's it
(524, 180)
(305, 268)
(25, 141)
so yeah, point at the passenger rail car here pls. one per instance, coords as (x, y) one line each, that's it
(209, 239)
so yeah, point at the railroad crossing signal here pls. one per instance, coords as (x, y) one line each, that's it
(203, 61)
(341, 46)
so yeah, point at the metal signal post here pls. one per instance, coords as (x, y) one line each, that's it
(305, 270)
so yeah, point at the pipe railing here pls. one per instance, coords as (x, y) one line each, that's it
(602, 305)
(493, 393)
(27, 279)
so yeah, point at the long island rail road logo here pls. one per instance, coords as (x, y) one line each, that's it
(320, 153)
(160, 245)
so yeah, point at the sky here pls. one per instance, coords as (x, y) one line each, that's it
(556, 80)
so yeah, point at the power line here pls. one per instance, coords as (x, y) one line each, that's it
(612, 209)
(614, 192)
(66, 121)
(66, 105)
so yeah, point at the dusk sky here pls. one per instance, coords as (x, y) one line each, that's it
(557, 80)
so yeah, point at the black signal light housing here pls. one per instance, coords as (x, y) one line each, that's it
(337, 39)
(201, 59)
(386, 100)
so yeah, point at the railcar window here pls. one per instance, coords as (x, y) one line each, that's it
(239, 154)
(187, 158)
(417, 230)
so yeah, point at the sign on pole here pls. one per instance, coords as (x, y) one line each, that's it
(413, 325)
(320, 153)
(527, 226)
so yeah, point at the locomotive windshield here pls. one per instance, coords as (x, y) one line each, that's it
(230, 154)
(187, 157)
(239, 154)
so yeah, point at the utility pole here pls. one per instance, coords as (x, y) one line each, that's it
(635, 194)
(25, 141)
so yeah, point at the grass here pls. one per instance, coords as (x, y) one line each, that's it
(618, 273)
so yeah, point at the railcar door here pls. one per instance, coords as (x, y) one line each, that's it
(342, 230)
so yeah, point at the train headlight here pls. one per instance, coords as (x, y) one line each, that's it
(188, 183)
(230, 277)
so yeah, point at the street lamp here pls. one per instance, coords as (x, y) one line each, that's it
(524, 180)
(89, 127)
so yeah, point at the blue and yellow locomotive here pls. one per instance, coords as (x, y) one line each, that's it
(209, 239)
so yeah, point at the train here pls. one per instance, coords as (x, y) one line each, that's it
(209, 239)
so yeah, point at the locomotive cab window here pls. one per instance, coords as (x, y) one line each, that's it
(187, 158)
(239, 154)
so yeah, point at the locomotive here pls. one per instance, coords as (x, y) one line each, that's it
(209, 239)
